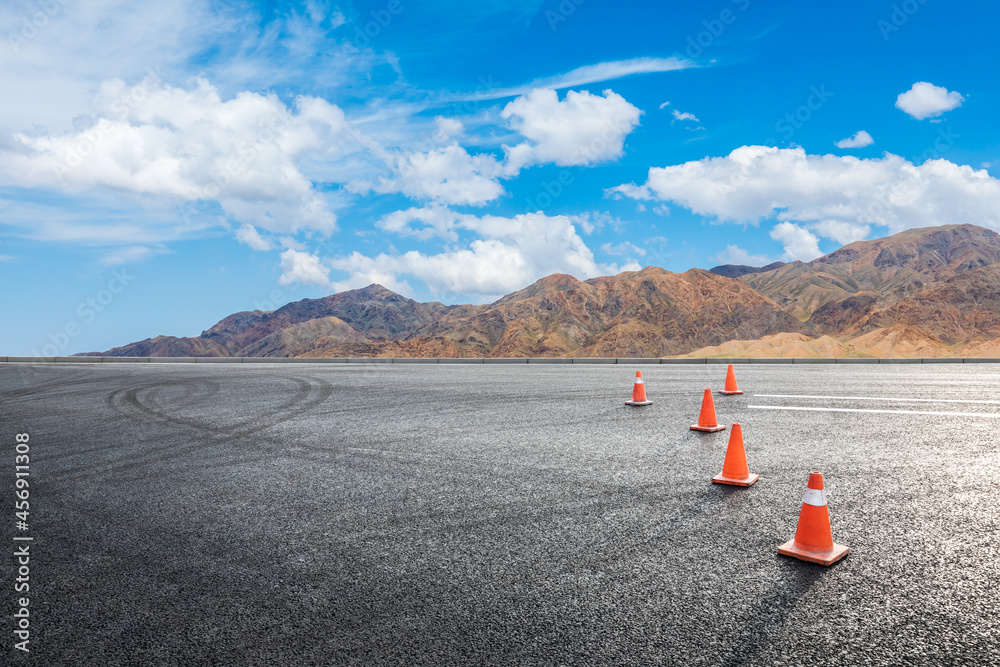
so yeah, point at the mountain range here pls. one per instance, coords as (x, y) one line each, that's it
(927, 292)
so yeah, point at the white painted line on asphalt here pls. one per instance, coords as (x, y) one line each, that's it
(880, 412)
(880, 398)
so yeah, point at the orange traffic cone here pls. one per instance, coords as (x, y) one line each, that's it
(813, 540)
(706, 420)
(638, 391)
(731, 387)
(734, 469)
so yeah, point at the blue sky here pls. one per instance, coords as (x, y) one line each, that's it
(164, 166)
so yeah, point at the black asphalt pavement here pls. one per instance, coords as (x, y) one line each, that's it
(447, 514)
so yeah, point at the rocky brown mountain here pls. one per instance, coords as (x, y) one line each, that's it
(642, 313)
(922, 292)
(881, 271)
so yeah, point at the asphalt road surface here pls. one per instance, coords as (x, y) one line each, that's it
(425, 515)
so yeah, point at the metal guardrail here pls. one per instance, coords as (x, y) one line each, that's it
(480, 360)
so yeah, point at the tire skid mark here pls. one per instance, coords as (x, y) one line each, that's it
(136, 404)
(131, 402)
(190, 397)
(25, 392)
(126, 415)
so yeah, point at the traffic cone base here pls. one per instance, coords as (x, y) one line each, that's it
(826, 558)
(709, 429)
(638, 402)
(731, 393)
(747, 481)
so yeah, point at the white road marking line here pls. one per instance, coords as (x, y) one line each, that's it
(881, 398)
(880, 412)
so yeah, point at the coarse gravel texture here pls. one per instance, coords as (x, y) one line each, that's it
(434, 515)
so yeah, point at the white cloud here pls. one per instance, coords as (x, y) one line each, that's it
(485, 267)
(596, 221)
(364, 271)
(435, 221)
(683, 115)
(52, 68)
(509, 254)
(664, 105)
(800, 244)
(925, 100)
(248, 235)
(843, 232)
(582, 129)
(303, 267)
(838, 196)
(733, 254)
(90, 133)
(337, 19)
(611, 70)
(290, 242)
(446, 128)
(582, 76)
(104, 220)
(49, 64)
(858, 140)
(446, 175)
(188, 145)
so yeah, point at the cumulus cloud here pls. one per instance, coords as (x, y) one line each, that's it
(508, 254)
(190, 145)
(800, 244)
(434, 221)
(248, 235)
(858, 140)
(683, 115)
(303, 267)
(446, 175)
(837, 196)
(582, 129)
(925, 100)
(840, 231)
(733, 254)
(446, 128)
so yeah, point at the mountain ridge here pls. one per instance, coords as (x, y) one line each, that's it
(933, 290)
